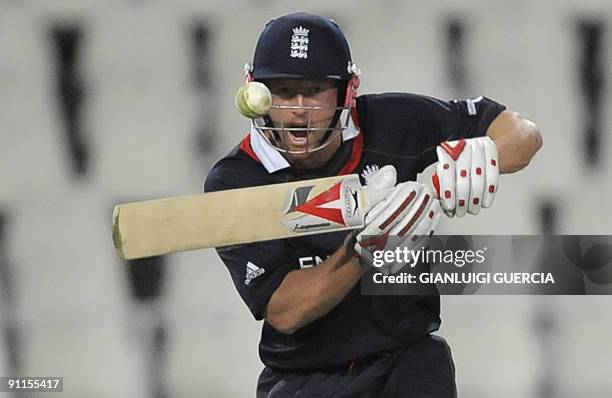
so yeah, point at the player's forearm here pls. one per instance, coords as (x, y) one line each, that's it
(308, 294)
(517, 140)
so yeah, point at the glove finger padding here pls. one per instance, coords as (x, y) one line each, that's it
(477, 175)
(409, 218)
(416, 221)
(462, 179)
(445, 170)
(396, 203)
(492, 172)
(467, 175)
(424, 223)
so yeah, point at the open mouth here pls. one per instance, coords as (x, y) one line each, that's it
(297, 137)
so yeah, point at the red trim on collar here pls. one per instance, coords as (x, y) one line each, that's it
(355, 116)
(246, 147)
(350, 166)
(355, 156)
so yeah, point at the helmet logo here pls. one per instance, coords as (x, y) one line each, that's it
(299, 43)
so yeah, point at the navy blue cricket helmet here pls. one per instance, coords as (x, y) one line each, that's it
(305, 46)
(302, 45)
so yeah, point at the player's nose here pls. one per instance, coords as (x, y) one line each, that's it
(299, 102)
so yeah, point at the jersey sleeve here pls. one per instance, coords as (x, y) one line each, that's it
(257, 270)
(452, 120)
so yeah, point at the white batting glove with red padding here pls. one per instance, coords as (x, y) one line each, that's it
(467, 175)
(405, 218)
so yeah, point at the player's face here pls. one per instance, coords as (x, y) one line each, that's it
(310, 104)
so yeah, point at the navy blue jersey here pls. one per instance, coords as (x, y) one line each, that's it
(394, 128)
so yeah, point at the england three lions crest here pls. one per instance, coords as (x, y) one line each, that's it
(299, 43)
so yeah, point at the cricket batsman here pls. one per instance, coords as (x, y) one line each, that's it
(321, 337)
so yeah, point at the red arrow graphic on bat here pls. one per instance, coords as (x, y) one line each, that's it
(313, 206)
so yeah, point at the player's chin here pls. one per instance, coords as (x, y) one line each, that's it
(299, 152)
(301, 145)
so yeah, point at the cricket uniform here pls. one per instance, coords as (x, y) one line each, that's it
(367, 345)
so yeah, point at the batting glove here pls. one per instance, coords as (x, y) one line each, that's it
(467, 175)
(405, 218)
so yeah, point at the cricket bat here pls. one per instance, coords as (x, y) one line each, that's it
(239, 216)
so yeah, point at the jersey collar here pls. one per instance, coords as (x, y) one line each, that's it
(273, 160)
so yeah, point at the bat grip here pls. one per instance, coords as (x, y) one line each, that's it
(375, 196)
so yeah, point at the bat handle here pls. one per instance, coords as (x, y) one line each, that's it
(374, 196)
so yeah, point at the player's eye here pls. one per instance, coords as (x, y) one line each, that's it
(284, 92)
(314, 90)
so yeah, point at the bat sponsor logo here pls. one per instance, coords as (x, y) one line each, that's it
(351, 201)
(308, 210)
(319, 206)
(311, 227)
(299, 197)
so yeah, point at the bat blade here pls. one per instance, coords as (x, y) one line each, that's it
(238, 216)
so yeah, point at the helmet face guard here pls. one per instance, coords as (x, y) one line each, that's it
(309, 47)
(312, 138)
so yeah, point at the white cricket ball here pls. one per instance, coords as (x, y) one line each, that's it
(253, 99)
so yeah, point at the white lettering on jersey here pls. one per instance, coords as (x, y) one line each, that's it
(309, 262)
(252, 272)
